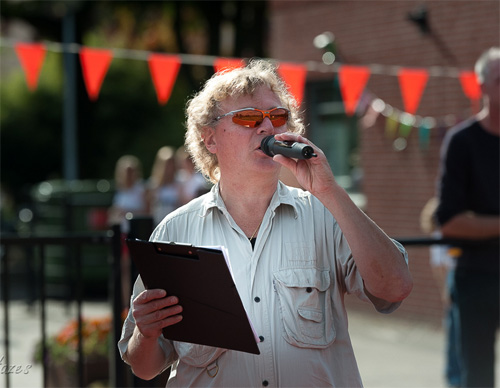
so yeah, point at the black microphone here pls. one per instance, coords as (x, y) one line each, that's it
(290, 149)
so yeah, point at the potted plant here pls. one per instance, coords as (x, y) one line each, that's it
(62, 353)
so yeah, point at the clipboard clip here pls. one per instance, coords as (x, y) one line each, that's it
(183, 251)
(183, 245)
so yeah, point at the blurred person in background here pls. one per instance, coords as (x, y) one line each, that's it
(129, 200)
(193, 183)
(443, 262)
(130, 193)
(8, 216)
(294, 253)
(469, 192)
(164, 191)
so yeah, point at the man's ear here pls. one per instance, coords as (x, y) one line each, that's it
(208, 136)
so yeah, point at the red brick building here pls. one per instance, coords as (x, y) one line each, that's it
(398, 177)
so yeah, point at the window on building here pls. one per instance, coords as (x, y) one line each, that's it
(336, 134)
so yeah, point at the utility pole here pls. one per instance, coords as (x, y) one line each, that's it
(70, 130)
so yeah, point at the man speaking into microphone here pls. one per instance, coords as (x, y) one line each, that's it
(294, 252)
(293, 150)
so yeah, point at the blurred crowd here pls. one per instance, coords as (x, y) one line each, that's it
(173, 182)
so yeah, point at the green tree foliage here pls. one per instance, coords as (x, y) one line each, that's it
(126, 118)
(30, 128)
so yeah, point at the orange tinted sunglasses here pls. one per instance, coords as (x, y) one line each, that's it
(253, 117)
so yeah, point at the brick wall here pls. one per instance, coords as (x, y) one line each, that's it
(397, 184)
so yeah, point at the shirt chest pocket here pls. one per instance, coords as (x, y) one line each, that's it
(305, 306)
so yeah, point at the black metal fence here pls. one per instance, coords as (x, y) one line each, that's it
(119, 373)
(37, 247)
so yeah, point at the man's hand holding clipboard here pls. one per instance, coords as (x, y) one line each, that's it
(190, 296)
(154, 310)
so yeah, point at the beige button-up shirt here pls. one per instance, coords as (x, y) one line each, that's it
(292, 285)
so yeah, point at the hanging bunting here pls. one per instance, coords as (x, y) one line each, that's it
(164, 69)
(352, 82)
(412, 84)
(406, 121)
(370, 117)
(470, 85)
(295, 77)
(31, 56)
(227, 64)
(424, 132)
(95, 64)
(471, 88)
(391, 125)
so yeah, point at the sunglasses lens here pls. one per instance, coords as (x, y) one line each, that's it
(252, 118)
(248, 118)
(279, 117)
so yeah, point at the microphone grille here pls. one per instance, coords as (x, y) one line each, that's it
(265, 144)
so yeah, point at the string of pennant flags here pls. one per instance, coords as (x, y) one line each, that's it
(164, 69)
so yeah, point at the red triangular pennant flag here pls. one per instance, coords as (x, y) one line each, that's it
(95, 64)
(470, 85)
(228, 64)
(295, 77)
(31, 56)
(471, 88)
(352, 81)
(412, 84)
(164, 69)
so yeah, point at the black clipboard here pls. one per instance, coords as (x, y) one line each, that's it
(213, 313)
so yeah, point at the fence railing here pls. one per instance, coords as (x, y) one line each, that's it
(141, 228)
(74, 243)
(423, 241)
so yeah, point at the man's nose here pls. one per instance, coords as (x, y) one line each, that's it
(266, 126)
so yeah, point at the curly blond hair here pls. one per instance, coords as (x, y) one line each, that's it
(204, 107)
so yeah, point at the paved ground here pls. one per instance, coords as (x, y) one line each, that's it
(25, 332)
(391, 352)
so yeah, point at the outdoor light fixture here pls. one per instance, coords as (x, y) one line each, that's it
(419, 16)
(325, 42)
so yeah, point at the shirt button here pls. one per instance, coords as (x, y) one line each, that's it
(309, 289)
(265, 383)
(256, 299)
(261, 337)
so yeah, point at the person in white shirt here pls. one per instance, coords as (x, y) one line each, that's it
(130, 193)
(164, 190)
(129, 200)
(192, 182)
(294, 253)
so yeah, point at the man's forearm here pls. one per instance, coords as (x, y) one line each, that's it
(145, 356)
(379, 261)
(471, 225)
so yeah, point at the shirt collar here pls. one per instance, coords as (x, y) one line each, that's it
(282, 196)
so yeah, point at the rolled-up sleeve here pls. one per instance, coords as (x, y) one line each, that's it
(355, 284)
